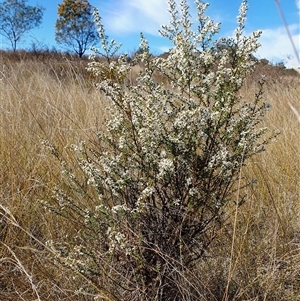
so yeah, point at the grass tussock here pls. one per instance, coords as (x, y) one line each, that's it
(257, 257)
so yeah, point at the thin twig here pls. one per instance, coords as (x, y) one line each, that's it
(287, 29)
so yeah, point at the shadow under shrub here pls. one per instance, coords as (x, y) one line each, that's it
(149, 196)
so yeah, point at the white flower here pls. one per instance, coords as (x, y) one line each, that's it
(119, 208)
(166, 166)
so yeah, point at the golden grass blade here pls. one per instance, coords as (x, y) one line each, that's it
(295, 112)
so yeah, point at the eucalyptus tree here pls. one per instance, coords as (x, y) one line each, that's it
(75, 25)
(17, 18)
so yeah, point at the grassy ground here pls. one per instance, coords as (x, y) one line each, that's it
(50, 96)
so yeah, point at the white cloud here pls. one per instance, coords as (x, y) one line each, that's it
(276, 45)
(137, 16)
(128, 16)
(298, 4)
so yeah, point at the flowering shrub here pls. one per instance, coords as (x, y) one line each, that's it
(154, 188)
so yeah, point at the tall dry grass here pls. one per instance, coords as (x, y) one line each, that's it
(52, 98)
(266, 253)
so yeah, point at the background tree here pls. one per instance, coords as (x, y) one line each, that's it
(17, 18)
(75, 25)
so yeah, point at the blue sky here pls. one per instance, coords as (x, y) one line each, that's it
(125, 19)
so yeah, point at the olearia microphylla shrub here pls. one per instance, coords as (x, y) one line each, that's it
(155, 184)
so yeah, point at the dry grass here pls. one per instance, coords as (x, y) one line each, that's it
(39, 100)
(52, 98)
(267, 243)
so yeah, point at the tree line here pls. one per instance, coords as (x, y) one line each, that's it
(74, 27)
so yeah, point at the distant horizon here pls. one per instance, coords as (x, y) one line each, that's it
(125, 19)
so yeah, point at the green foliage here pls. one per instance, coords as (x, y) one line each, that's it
(162, 173)
(17, 18)
(75, 26)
